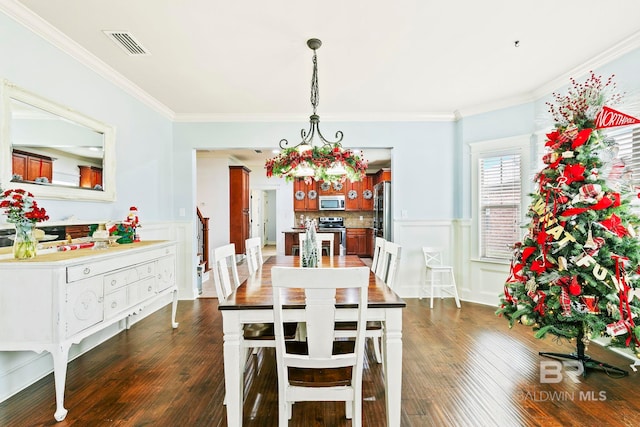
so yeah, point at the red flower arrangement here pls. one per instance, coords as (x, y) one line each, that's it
(21, 208)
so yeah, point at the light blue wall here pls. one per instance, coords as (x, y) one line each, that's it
(423, 167)
(143, 136)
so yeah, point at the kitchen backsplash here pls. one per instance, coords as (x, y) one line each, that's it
(351, 219)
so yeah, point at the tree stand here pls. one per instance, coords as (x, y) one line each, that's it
(586, 361)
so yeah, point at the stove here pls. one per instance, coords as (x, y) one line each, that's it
(334, 223)
(331, 222)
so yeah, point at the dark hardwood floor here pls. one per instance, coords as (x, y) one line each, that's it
(460, 368)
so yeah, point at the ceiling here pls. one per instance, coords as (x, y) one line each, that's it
(403, 60)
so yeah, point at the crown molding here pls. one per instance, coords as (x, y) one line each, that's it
(39, 26)
(616, 51)
(30, 20)
(346, 117)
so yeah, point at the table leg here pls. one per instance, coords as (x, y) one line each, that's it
(392, 362)
(174, 309)
(233, 366)
(60, 356)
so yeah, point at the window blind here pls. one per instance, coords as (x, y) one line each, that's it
(500, 199)
(628, 141)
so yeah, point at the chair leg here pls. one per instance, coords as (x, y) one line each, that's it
(455, 290)
(433, 273)
(376, 349)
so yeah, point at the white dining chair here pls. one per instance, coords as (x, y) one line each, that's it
(323, 241)
(254, 254)
(390, 255)
(378, 246)
(438, 275)
(256, 335)
(320, 368)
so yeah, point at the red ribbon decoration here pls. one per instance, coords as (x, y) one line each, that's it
(623, 290)
(614, 224)
(612, 200)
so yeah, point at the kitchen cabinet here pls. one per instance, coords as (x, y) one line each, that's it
(60, 298)
(329, 189)
(31, 166)
(90, 176)
(292, 241)
(239, 195)
(359, 241)
(359, 195)
(382, 175)
(305, 196)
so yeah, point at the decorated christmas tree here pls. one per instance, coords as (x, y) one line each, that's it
(576, 271)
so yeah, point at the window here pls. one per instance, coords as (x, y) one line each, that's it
(628, 141)
(499, 198)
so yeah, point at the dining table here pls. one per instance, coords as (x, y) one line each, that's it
(252, 302)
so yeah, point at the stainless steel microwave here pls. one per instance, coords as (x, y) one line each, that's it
(331, 203)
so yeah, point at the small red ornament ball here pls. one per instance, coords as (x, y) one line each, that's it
(574, 288)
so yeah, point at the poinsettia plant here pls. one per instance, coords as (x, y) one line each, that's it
(319, 159)
(20, 207)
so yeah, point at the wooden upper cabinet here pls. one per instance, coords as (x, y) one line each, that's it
(31, 166)
(90, 176)
(326, 189)
(305, 196)
(359, 195)
(382, 175)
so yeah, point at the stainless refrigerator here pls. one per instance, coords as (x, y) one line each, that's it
(382, 211)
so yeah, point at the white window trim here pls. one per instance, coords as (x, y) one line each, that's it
(523, 145)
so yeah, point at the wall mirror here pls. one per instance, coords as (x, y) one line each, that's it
(52, 151)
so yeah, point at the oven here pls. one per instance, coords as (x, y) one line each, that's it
(334, 224)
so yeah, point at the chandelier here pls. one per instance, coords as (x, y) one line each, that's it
(316, 159)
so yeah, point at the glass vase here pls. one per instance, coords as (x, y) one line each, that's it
(25, 242)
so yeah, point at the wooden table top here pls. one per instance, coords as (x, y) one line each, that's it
(256, 293)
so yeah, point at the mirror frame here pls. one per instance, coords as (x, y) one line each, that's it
(10, 91)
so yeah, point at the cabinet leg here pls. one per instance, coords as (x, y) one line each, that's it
(174, 308)
(60, 359)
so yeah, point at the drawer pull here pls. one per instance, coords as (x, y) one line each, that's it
(114, 304)
(86, 270)
(150, 288)
(114, 282)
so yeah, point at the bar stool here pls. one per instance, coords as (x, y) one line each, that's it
(439, 275)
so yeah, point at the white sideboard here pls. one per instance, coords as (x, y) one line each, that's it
(57, 299)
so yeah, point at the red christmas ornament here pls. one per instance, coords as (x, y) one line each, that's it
(574, 288)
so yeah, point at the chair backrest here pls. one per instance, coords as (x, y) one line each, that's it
(320, 238)
(254, 254)
(325, 237)
(378, 246)
(391, 254)
(224, 259)
(320, 286)
(432, 256)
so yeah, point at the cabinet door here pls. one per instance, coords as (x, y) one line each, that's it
(39, 168)
(367, 193)
(84, 304)
(353, 199)
(166, 272)
(19, 162)
(305, 196)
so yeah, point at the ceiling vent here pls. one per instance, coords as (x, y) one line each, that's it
(127, 42)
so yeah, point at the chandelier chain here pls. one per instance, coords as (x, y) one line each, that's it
(315, 95)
